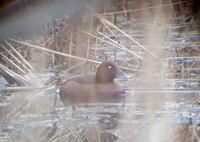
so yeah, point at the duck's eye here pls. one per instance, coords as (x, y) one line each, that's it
(110, 67)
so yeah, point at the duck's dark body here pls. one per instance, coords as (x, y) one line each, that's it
(93, 88)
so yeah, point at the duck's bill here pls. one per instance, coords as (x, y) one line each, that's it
(120, 73)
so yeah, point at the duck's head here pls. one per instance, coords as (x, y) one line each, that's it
(107, 71)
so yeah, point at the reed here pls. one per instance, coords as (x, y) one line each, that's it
(14, 76)
(19, 55)
(128, 36)
(61, 54)
(144, 8)
(15, 58)
(12, 63)
(160, 98)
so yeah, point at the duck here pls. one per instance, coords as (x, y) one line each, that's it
(94, 88)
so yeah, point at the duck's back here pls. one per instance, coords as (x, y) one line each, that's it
(82, 79)
(78, 89)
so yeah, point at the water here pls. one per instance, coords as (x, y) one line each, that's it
(39, 115)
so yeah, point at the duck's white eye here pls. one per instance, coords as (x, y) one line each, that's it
(110, 67)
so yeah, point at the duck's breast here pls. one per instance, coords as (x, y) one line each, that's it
(110, 92)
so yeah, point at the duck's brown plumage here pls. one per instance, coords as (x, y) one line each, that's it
(93, 88)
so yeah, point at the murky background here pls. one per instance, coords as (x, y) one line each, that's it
(155, 42)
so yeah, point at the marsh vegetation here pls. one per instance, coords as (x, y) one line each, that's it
(155, 42)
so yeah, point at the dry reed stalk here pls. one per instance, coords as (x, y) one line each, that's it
(52, 51)
(118, 46)
(13, 73)
(75, 66)
(96, 43)
(109, 30)
(53, 62)
(116, 43)
(124, 6)
(15, 58)
(55, 35)
(188, 57)
(154, 21)
(30, 137)
(22, 134)
(145, 8)
(31, 73)
(62, 54)
(125, 49)
(92, 36)
(182, 136)
(47, 40)
(57, 137)
(44, 33)
(47, 133)
(20, 89)
(122, 47)
(11, 62)
(112, 25)
(16, 111)
(70, 45)
(78, 44)
(19, 55)
(110, 43)
(75, 134)
(89, 37)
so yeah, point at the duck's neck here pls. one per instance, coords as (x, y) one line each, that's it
(103, 80)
